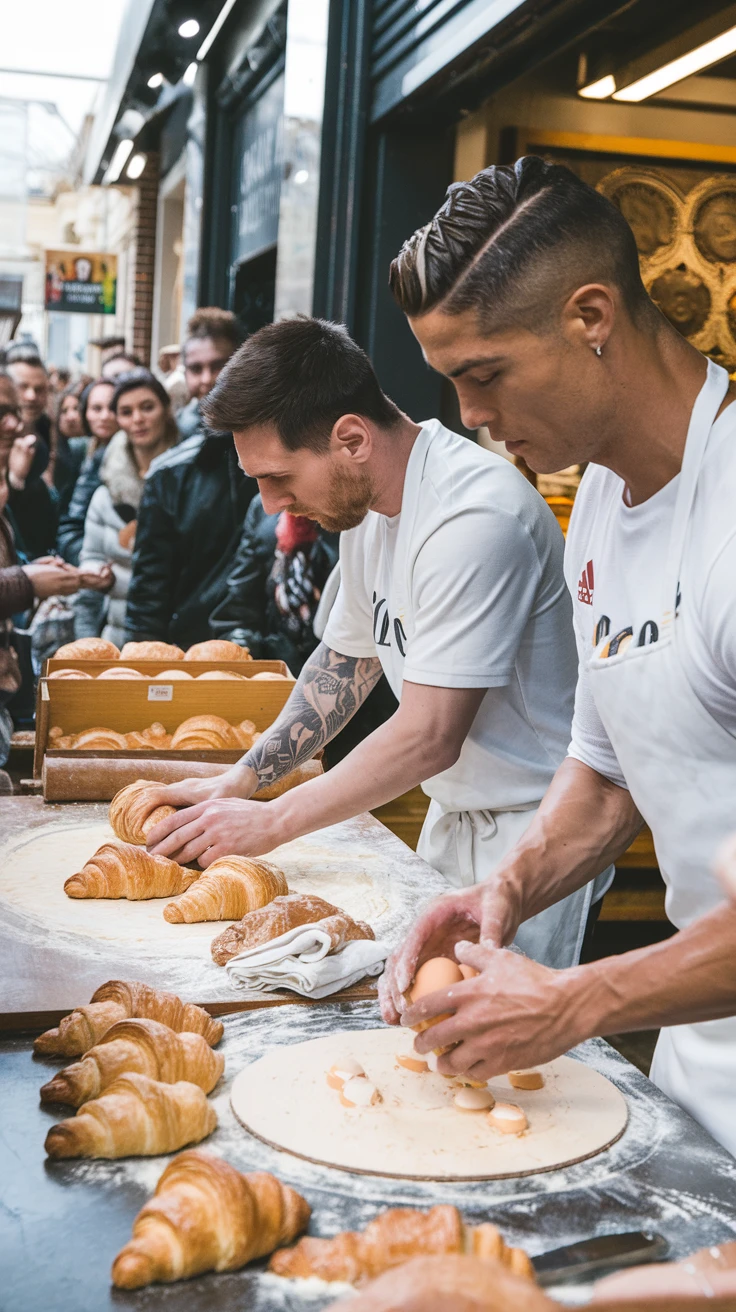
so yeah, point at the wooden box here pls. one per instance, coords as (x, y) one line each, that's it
(128, 704)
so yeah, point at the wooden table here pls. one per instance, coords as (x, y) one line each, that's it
(45, 970)
(65, 1221)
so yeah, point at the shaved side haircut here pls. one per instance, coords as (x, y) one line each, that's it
(513, 244)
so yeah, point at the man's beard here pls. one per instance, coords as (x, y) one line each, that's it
(350, 499)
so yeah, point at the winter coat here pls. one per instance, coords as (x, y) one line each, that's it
(34, 508)
(71, 527)
(113, 506)
(250, 614)
(189, 526)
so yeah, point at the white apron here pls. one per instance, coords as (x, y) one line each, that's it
(466, 847)
(680, 767)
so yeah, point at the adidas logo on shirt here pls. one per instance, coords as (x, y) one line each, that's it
(585, 585)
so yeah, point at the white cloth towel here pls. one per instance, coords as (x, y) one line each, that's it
(300, 960)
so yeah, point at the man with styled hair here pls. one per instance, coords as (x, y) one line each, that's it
(525, 291)
(451, 584)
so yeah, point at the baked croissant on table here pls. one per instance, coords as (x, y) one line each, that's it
(392, 1238)
(145, 1046)
(230, 887)
(135, 1117)
(119, 1000)
(282, 914)
(126, 870)
(206, 1216)
(132, 814)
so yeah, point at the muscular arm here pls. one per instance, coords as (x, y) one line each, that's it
(518, 1013)
(582, 825)
(424, 737)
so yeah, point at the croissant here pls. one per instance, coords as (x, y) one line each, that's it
(125, 870)
(282, 914)
(151, 651)
(230, 887)
(135, 1117)
(246, 730)
(217, 649)
(87, 649)
(120, 672)
(69, 674)
(145, 1046)
(154, 736)
(392, 1238)
(132, 815)
(99, 739)
(117, 1000)
(205, 732)
(301, 775)
(206, 1216)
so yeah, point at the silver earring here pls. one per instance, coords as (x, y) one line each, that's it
(598, 350)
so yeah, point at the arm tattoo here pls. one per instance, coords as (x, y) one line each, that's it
(329, 691)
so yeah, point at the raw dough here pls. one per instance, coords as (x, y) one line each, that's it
(416, 1131)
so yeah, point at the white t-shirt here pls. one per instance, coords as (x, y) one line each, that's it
(614, 565)
(465, 589)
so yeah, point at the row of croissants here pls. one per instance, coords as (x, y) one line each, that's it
(145, 1067)
(98, 649)
(250, 891)
(197, 733)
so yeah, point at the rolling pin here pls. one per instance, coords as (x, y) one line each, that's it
(90, 780)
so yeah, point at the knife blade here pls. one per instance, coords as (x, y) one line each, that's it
(589, 1258)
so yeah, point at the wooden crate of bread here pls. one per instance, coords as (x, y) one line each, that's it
(127, 705)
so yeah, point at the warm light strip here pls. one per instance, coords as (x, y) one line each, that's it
(115, 167)
(600, 90)
(693, 62)
(212, 34)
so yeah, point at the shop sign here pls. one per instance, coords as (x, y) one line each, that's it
(260, 150)
(81, 283)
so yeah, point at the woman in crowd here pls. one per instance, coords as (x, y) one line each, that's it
(142, 409)
(68, 445)
(99, 423)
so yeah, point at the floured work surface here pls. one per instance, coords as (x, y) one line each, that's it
(664, 1174)
(416, 1131)
(56, 950)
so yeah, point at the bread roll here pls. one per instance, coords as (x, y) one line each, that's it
(167, 675)
(268, 674)
(151, 651)
(217, 649)
(70, 674)
(88, 649)
(120, 672)
(221, 674)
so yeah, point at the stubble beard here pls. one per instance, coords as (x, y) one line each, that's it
(350, 500)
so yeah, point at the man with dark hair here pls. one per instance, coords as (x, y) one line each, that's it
(194, 504)
(525, 291)
(32, 504)
(451, 584)
(119, 363)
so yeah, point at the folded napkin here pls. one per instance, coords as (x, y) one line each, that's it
(301, 960)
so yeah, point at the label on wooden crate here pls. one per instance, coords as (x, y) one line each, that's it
(160, 692)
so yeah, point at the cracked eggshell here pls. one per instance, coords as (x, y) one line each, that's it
(359, 1092)
(344, 1069)
(528, 1079)
(474, 1100)
(508, 1118)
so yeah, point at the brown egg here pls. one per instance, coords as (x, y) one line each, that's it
(508, 1118)
(469, 972)
(437, 973)
(526, 1079)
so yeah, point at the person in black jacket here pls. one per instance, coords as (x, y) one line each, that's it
(194, 503)
(278, 574)
(100, 424)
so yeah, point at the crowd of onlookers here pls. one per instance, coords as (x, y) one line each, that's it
(121, 515)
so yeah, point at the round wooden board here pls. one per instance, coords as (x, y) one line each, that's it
(416, 1132)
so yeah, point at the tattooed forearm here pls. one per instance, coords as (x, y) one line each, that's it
(328, 693)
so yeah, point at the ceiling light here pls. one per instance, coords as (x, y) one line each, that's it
(136, 167)
(218, 23)
(600, 90)
(693, 62)
(301, 176)
(122, 151)
(155, 81)
(189, 28)
(190, 74)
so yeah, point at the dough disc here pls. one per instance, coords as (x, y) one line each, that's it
(416, 1133)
